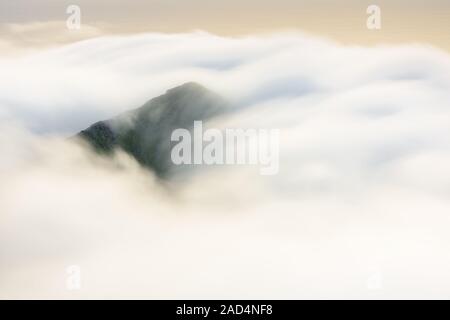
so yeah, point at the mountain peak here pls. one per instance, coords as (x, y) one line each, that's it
(188, 86)
(145, 132)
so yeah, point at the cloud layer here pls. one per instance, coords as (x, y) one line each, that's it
(363, 189)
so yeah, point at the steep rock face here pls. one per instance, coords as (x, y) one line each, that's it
(145, 132)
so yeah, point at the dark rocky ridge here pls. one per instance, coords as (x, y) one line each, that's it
(145, 132)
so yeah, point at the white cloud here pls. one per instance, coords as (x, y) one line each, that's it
(363, 181)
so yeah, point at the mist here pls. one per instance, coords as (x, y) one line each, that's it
(362, 192)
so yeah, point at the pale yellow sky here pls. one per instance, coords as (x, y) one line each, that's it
(403, 21)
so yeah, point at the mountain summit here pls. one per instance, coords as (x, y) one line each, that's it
(145, 132)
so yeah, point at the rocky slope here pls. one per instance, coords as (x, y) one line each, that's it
(145, 132)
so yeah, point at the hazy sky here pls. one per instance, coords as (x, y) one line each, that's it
(402, 20)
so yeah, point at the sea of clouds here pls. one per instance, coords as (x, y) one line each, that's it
(359, 209)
